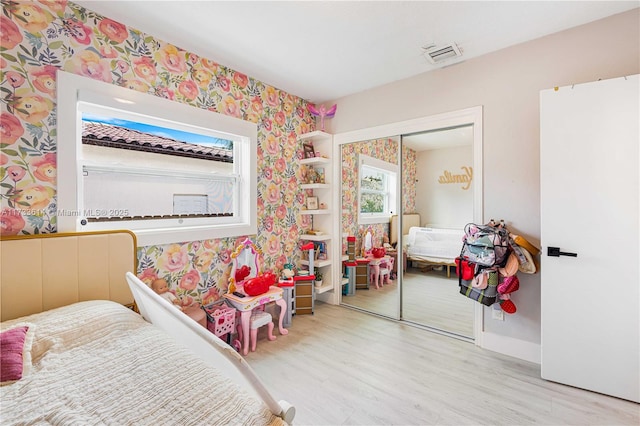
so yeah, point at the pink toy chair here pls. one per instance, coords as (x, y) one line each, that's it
(385, 271)
(258, 318)
(381, 273)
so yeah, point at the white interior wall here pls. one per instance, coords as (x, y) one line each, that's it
(453, 206)
(149, 195)
(507, 84)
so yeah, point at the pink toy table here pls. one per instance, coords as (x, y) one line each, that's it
(246, 304)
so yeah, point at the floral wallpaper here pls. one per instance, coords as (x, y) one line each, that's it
(382, 149)
(39, 37)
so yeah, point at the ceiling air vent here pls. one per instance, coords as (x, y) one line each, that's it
(438, 54)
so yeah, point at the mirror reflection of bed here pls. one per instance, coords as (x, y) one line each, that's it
(430, 284)
(437, 204)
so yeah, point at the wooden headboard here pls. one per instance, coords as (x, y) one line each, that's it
(46, 271)
(408, 220)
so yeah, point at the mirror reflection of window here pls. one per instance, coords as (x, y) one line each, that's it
(374, 191)
(368, 241)
(377, 184)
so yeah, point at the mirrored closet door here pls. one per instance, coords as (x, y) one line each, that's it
(437, 202)
(369, 190)
(412, 195)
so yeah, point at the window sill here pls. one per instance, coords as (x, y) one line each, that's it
(373, 219)
(179, 231)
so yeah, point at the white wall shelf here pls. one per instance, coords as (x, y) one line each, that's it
(315, 160)
(316, 263)
(324, 288)
(315, 186)
(323, 219)
(323, 237)
(314, 134)
(318, 211)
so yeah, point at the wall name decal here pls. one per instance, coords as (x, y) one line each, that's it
(465, 178)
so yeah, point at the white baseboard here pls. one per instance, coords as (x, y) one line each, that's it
(516, 348)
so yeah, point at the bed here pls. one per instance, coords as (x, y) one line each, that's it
(89, 358)
(430, 245)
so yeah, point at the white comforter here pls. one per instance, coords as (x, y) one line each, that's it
(434, 244)
(98, 363)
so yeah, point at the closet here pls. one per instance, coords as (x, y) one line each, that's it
(392, 143)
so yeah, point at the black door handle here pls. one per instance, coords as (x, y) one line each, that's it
(555, 252)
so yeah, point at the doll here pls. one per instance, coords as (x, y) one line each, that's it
(195, 312)
(161, 287)
(385, 241)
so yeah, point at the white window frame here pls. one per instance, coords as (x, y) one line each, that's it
(77, 94)
(391, 171)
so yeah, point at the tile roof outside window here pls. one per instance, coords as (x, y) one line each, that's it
(107, 135)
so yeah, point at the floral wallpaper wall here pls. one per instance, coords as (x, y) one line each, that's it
(39, 37)
(382, 149)
(409, 184)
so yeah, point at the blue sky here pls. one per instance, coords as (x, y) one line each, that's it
(158, 131)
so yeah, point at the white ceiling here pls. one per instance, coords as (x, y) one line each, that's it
(324, 50)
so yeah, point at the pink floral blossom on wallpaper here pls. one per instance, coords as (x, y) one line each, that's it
(90, 64)
(189, 281)
(11, 221)
(44, 79)
(114, 31)
(174, 258)
(145, 68)
(10, 35)
(172, 59)
(44, 169)
(10, 128)
(148, 275)
(188, 89)
(16, 173)
(14, 79)
(56, 6)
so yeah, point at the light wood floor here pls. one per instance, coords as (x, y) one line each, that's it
(344, 367)
(430, 299)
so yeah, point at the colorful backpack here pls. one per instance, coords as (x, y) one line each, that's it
(485, 245)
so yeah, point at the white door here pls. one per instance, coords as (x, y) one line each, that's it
(589, 184)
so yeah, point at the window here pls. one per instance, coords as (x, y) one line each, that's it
(167, 171)
(377, 188)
